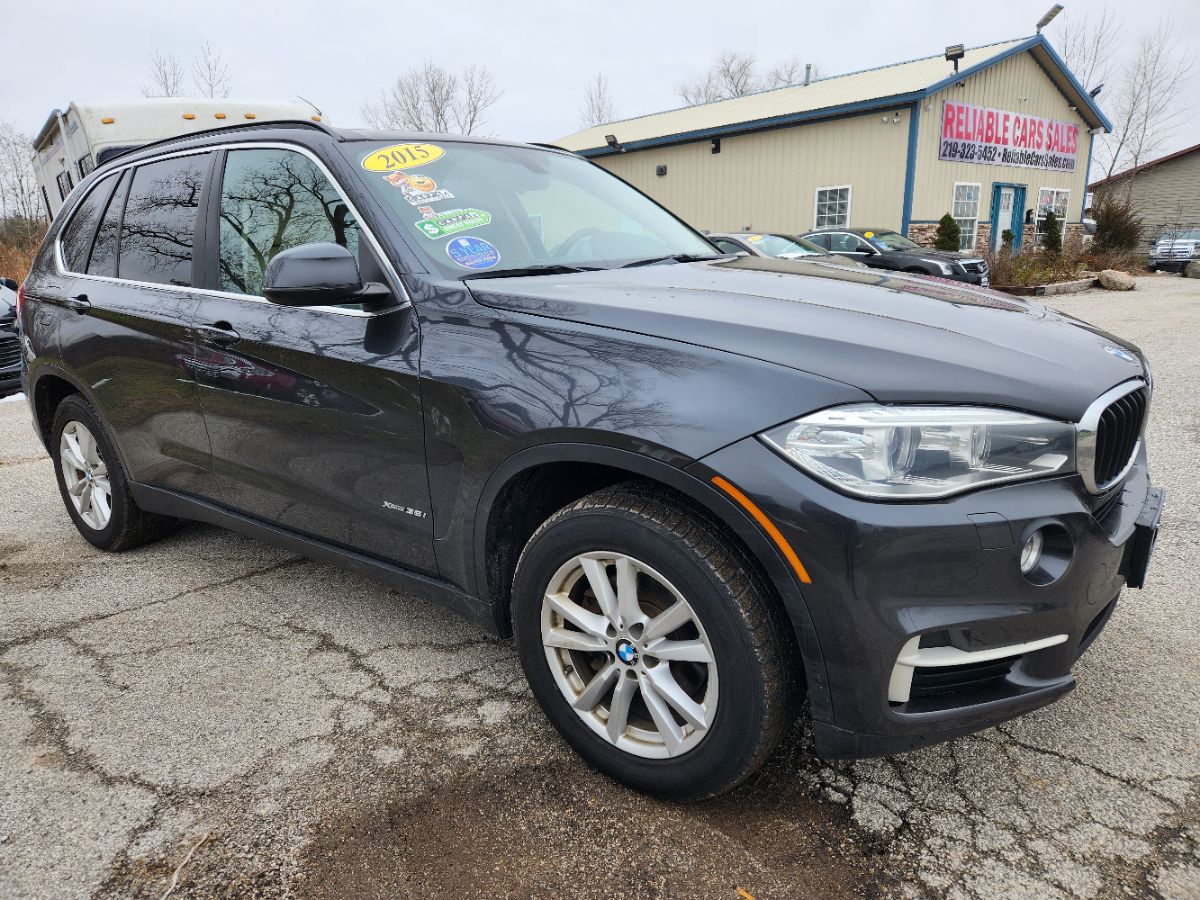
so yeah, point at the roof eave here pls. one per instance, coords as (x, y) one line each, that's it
(1086, 105)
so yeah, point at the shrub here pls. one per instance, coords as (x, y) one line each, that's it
(1006, 239)
(1052, 234)
(949, 235)
(1118, 226)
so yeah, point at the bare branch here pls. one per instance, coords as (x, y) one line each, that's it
(430, 98)
(789, 72)
(598, 107)
(166, 76)
(209, 73)
(1087, 45)
(730, 75)
(20, 197)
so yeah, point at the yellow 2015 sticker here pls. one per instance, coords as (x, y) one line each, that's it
(401, 156)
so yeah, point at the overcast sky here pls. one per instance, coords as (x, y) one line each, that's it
(541, 54)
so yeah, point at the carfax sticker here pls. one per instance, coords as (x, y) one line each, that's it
(443, 223)
(417, 189)
(402, 156)
(472, 253)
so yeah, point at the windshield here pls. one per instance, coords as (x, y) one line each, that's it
(783, 246)
(890, 240)
(473, 207)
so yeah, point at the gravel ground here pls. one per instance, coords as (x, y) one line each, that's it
(261, 724)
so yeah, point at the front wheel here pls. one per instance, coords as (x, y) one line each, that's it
(652, 644)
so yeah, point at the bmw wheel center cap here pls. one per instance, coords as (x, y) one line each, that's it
(627, 653)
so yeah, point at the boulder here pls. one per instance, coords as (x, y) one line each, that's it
(1192, 270)
(1112, 280)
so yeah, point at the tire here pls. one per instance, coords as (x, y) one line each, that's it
(744, 695)
(87, 455)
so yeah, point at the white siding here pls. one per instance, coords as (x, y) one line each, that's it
(1017, 84)
(767, 181)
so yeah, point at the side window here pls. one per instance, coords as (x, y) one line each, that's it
(821, 240)
(840, 242)
(158, 231)
(729, 246)
(77, 236)
(103, 260)
(272, 200)
(63, 179)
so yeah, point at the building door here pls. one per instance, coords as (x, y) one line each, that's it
(1008, 203)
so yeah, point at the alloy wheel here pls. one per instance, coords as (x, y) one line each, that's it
(629, 654)
(85, 475)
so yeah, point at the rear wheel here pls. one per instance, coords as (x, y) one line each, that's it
(652, 644)
(92, 482)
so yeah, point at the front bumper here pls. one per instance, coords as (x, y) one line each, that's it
(1169, 263)
(884, 573)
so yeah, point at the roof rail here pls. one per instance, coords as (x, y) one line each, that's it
(266, 123)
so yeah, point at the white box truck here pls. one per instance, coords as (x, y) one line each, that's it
(88, 133)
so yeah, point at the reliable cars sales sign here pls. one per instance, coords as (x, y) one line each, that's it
(998, 137)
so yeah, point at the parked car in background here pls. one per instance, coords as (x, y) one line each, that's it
(881, 248)
(694, 486)
(10, 342)
(1174, 250)
(778, 246)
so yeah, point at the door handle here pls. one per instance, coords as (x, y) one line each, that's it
(80, 303)
(219, 334)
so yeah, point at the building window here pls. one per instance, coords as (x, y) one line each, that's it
(85, 166)
(64, 184)
(965, 210)
(833, 207)
(1050, 199)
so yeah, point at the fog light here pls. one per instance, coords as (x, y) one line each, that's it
(1031, 553)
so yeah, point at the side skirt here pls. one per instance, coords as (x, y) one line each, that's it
(427, 587)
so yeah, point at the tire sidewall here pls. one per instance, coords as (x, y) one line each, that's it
(75, 409)
(722, 757)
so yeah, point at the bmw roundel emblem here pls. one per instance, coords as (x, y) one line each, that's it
(627, 653)
(1120, 353)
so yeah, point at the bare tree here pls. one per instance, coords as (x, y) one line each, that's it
(598, 107)
(430, 98)
(1150, 103)
(166, 76)
(21, 212)
(1087, 45)
(210, 75)
(730, 75)
(789, 72)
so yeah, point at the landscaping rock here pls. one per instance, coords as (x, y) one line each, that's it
(1192, 270)
(1112, 280)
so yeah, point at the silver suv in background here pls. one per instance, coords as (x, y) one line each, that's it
(1174, 250)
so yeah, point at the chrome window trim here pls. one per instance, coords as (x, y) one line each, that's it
(403, 299)
(1085, 436)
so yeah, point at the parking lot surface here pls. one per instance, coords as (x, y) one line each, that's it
(211, 712)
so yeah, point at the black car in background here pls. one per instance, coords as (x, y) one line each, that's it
(882, 248)
(694, 486)
(10, 342)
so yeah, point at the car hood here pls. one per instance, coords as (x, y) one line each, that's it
(900, 338)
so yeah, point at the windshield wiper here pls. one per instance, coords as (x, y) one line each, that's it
(549, 269)
(676, 257)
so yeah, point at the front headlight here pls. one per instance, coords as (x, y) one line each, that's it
(947, 268)
(921, 452)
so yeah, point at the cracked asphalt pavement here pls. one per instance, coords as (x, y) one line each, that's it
(302, 732)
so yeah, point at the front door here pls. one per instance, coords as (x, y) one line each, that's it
(314, 413)
(1008, 201)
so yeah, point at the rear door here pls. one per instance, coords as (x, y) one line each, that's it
(314, 413)
(129, 252)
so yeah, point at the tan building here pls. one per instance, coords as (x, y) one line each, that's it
(1165, 192)
(995, 140)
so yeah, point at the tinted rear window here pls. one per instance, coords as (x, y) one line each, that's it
(158, 232)
(103, 260)
(77, 236)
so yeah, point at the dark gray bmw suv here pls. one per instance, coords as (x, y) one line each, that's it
(694, 486)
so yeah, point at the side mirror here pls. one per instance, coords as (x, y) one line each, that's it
(10, 284)
(320, 274)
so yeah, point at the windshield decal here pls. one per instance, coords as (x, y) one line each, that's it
(436, 224)
(417, 190)
(472, 253)
(401, 156)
